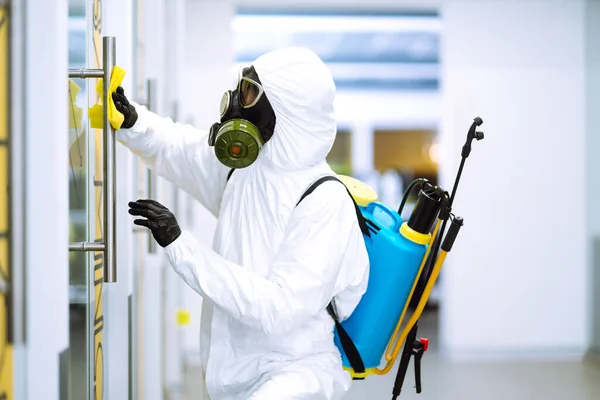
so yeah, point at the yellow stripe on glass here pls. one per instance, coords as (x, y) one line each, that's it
(98, 256)
(6, 350)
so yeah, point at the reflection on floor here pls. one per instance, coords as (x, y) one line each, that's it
(443, 380)
(78, 364)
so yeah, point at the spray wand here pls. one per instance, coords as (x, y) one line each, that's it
(412, 346)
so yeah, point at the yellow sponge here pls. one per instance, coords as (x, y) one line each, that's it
(114, 116)
(75, 113)
(362, 193)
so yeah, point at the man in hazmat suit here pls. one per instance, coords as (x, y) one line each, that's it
(275, 263)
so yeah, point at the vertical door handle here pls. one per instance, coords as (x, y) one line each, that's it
(151, 105)
(109, 167)
(110, 170)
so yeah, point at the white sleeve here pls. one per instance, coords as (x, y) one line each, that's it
(323, 254)
(179, 153)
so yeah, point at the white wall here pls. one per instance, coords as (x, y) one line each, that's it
(592, 83)
(46, 205)
(516, 282)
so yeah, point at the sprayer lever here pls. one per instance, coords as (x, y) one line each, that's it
(419, 348)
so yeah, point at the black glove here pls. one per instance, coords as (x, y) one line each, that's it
(160, 220)
(125, 108)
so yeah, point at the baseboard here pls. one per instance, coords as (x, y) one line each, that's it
(515, 355)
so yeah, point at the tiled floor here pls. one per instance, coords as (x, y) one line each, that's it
(443, 380)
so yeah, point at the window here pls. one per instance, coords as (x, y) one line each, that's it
(375, 51)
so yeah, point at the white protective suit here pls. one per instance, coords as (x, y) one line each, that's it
(273, 267)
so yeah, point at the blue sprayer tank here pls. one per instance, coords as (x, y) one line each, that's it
(396, 250)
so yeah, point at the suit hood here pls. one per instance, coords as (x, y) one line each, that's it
(301, 91)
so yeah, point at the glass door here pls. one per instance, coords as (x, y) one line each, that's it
(88, 293)
(80, 297)
(96, 219)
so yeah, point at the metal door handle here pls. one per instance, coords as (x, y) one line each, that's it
(151, 178)
(109, 244)
(150, 103)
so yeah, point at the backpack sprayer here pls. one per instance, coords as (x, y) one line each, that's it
(405, 258)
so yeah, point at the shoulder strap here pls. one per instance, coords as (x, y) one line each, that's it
(352, 353)
(229, 174)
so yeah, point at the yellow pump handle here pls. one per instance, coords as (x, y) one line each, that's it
(418, 311)
(389, 352)
(417, 314)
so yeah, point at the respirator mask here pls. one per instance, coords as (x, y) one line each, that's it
(247, 122)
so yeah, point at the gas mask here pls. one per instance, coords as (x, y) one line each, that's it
(247, 122)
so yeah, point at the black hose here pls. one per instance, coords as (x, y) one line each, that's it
(410, 187)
